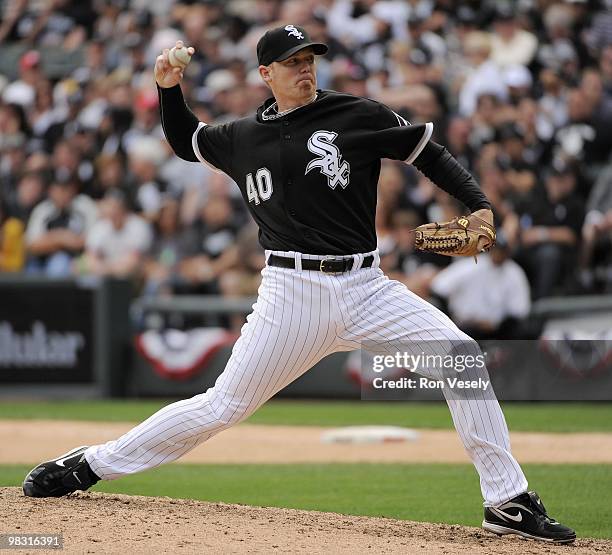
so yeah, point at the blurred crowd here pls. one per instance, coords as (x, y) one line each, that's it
(520, 92)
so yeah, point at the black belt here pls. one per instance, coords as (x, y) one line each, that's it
(329, 265)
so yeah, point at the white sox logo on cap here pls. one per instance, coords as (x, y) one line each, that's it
(281, 42)
(330, 162)
(291, 30)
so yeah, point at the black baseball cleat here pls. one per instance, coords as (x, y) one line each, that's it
(66, 474)
(526, 516)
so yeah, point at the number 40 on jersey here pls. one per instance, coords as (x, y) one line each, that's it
(260, 188)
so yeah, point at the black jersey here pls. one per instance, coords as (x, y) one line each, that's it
(309, 177)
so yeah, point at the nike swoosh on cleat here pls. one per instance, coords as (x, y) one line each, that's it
(60, 462)
(517, 518)
(66, 456)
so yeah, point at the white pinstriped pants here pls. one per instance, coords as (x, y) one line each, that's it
(299, 318)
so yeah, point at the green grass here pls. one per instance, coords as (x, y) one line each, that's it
(574, 494)
(549, 417)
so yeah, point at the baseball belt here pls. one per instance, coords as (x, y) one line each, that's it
(328, 265)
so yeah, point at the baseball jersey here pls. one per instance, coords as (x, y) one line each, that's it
(309, 177)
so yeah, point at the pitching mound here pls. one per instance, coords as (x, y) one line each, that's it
(103, 523)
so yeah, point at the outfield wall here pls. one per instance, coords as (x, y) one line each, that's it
(89, 338)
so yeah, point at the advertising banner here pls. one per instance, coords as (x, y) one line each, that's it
(46, 334)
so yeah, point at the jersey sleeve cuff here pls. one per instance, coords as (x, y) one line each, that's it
(196, 148)
(421, 144)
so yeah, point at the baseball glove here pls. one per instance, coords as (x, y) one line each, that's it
(459, 237)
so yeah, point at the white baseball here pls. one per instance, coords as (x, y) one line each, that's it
(179, 57)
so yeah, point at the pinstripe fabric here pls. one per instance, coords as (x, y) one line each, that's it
(386, 316)
(289, 330)
(299, 318)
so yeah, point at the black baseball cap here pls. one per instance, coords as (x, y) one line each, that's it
(280, 43)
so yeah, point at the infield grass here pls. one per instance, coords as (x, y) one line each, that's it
(574, 494)
(528, 417)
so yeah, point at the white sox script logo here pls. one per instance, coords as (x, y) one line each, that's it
(330, 162)
(291, 30)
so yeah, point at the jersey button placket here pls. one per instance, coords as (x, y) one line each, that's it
(287, 137)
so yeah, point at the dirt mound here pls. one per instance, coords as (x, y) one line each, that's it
(103, 523)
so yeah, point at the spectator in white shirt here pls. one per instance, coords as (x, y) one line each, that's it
(117, 243)
(488, 299)
(511, 45)
(22, 91)
(57, 228)
(485, 76)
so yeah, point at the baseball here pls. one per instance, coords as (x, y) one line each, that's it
(179, 57)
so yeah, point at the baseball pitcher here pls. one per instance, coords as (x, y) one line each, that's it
(307, 165)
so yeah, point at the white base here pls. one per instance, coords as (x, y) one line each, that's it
(369, 434)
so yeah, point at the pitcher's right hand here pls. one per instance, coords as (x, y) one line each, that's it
(167, 76)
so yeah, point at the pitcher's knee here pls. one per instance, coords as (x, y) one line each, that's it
(463, 346)
(228, 410)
